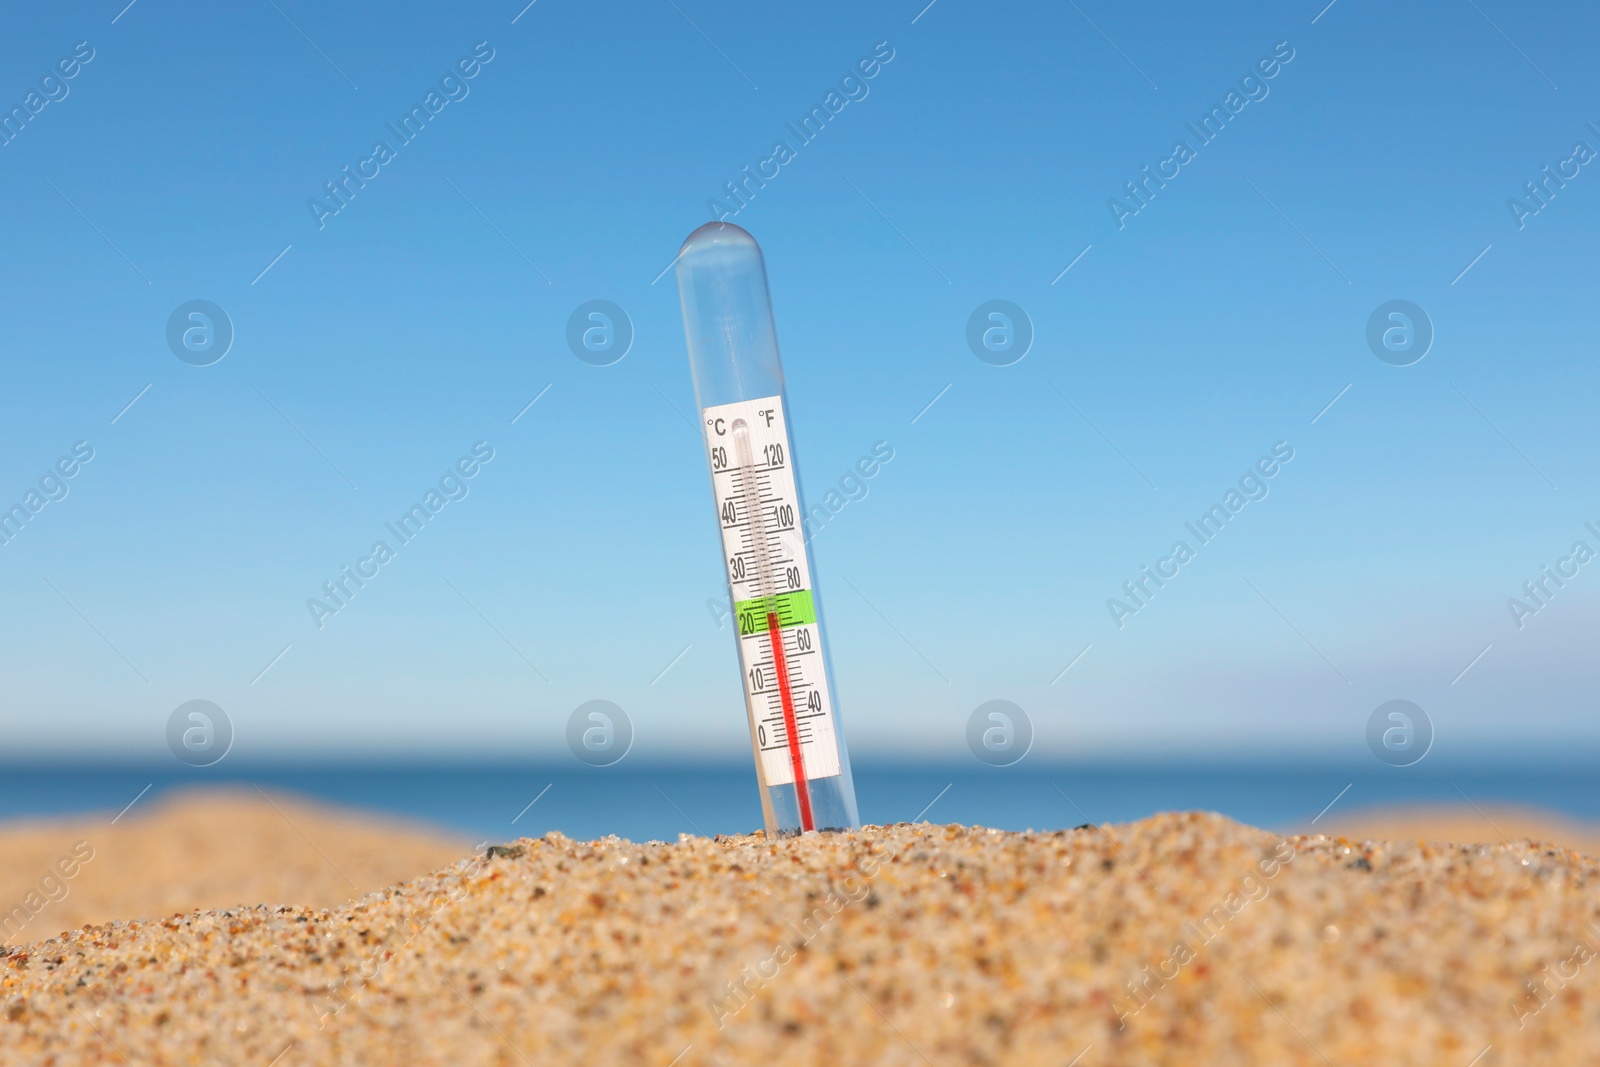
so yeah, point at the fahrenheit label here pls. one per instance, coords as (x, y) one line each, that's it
(780, 643)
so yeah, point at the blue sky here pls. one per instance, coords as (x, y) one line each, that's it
(374, 350)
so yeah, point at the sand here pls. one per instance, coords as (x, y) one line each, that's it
(1178, 939)
(1461, 822)
(202, 849)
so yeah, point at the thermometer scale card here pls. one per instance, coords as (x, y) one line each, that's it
(764, 552)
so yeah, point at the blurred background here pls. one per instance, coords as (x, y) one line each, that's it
(273, 269)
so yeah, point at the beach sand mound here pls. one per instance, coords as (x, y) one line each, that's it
(204, 848)
(1181, 939)
(1463, 822)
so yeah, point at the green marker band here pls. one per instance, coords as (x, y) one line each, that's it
(794, 608)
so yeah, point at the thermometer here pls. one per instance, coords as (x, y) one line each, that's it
(801, 763)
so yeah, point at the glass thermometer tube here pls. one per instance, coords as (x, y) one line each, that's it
(795, 733)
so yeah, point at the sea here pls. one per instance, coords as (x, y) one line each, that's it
(495, 801)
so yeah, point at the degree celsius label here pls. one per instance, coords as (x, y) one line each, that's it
(780, 643)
